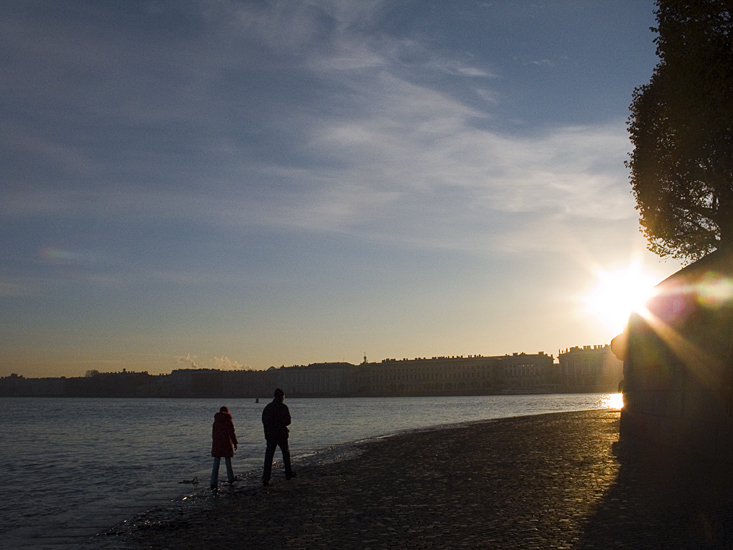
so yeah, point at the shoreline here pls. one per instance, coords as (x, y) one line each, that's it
(128, 477)
(556, 480)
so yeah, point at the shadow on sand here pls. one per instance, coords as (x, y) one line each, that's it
(660, 500)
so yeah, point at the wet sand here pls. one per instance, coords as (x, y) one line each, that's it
(548, 481)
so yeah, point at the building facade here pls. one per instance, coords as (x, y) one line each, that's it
(457, 375)
(590, 369)
(317, 379)
(586, 369)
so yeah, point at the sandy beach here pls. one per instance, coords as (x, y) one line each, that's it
(548, 481)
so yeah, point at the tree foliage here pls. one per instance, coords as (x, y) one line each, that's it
(681, 126)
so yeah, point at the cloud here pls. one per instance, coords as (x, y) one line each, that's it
(288, 117)
(219, 363)
(224, 363)
(419, 160)
(189, 360)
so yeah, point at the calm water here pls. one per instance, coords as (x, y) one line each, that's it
(70, 468)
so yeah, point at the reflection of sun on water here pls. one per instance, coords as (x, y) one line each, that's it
(613, 401)
(617, 294)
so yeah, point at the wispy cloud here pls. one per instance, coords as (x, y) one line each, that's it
(224, 363)
(190, 360)
(292, 117)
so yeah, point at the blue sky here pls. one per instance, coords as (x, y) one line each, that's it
(252, 183)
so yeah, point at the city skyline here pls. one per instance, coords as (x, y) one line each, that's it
(189, 363)
(262, 183)
(586, 370)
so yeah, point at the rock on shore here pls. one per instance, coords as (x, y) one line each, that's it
(547, 481)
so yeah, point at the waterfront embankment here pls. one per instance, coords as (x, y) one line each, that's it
(547, 481)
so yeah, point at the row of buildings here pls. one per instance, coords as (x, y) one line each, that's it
(579, 369)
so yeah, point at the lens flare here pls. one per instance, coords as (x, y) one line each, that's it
(715, 290)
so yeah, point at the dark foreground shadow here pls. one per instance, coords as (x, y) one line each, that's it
(660, 500)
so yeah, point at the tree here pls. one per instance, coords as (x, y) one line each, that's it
(681, 126)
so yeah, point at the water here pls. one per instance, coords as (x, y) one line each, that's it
(70, 468)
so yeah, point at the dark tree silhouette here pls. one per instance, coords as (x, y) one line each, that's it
(681, 126)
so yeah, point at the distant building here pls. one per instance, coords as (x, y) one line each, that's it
(527, 373)
(248, 383)
(317, 379)
(590, 369)
(15, 385)
(196, 382)
(457, 375)
(108, 384)
(587, 369)
(218, 383)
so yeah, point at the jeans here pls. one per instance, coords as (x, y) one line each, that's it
(270, 453)
(215, 470)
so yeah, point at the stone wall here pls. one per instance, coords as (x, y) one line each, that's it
(678, 363)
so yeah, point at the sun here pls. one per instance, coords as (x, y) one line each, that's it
(617, 294)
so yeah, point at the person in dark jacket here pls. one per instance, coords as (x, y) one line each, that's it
(224, 444)
(275, 420)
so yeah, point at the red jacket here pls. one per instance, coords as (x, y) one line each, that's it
(223, 435)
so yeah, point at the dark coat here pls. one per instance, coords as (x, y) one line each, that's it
(275, 419)
(223, 435)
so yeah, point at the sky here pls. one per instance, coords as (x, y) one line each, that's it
(244, 184)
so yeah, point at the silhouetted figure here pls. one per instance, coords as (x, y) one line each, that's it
(275, 420)
(224, 445)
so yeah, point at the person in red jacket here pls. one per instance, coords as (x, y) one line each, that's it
(224, 445)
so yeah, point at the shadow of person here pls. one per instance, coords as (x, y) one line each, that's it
(662, 500)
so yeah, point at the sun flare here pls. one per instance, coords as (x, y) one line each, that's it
(617, 294)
